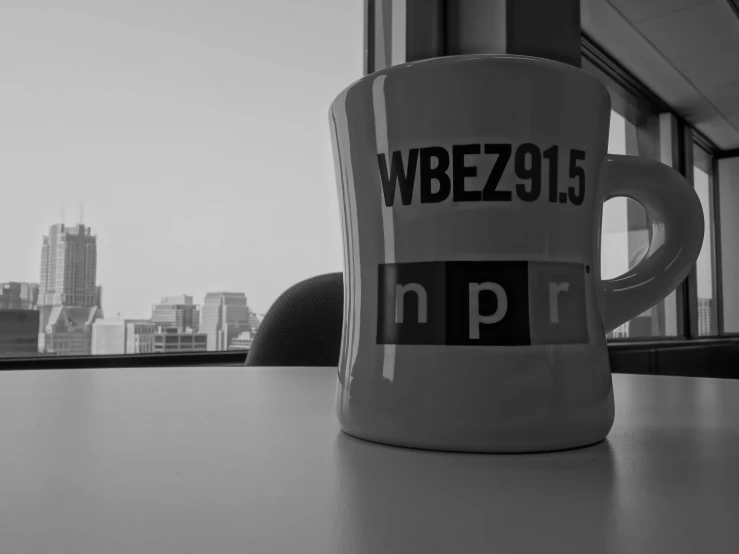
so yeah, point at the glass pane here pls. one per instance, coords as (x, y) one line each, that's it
(168, 166)
(707, 315)
(625, 239)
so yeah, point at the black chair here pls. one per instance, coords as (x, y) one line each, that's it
(303, 326)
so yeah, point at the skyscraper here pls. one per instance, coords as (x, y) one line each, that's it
(68, 267)
(176, 311)
(225, 316)
(69, 299)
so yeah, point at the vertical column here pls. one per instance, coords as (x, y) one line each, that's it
(641, 139)
(476, 27)
(544, 29)
(690, 285)
(728, 206)
(654, 137)
(399, 31)
(674, 305)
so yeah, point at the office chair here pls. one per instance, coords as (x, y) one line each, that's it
(303, 326)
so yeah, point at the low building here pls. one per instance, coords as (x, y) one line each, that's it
(140, 336)
(123, 336)
(170, 339)
(254, 321)
(225, 317)
(176, 311)
(18, 333)
(66, 330)
(18, 296)
(108, 337)
(242, 342)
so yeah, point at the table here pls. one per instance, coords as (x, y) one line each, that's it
(251, 460)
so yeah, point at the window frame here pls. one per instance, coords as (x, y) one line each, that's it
(717, 245)
(713, 210)
(637, 101)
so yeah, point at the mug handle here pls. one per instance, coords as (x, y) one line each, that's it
(676, 220)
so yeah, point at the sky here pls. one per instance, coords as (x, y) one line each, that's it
(194, 133)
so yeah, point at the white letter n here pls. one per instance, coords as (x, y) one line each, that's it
(400, 291)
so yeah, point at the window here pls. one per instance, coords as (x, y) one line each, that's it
(625, 232)
(189, 148)
(727, 186)
(705, 275)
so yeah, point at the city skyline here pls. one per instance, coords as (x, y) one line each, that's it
(63, 315)
(199, 143)
(40, 282)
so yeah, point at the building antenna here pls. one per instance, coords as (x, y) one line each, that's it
(82, 212)
(63, 214)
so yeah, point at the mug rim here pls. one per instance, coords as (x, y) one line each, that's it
(430, 63)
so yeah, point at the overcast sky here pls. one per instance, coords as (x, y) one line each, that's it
(194, 131)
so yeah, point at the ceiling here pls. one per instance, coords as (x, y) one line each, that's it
(685, 51)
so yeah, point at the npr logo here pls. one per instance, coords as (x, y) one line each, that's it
(482, 303)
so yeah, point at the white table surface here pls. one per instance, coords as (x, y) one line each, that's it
(251, 460)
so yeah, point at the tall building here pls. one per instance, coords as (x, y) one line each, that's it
(140, 336)
(171, 339)
(225, 316)
(18, 296)
(109, 336)
(176, 311)
(704, 316)
(69, 299)
(123, 336)
(18, 332)
(68, 267)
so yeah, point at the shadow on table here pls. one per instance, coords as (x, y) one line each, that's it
(405, 500)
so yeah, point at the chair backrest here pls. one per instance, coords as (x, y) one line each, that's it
(303, 326)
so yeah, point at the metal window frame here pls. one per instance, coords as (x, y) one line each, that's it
(690, 289)
(634, 102)
(688, 136)
(713, 225)
(174, 359)
(422, 36)
(626, 83)
(718, 262)
(718, 256)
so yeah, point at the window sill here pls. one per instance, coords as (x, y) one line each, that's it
(178, 359)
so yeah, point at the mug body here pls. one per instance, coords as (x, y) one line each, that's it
(471, 211)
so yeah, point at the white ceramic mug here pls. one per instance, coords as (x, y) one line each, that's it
(471, 191)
